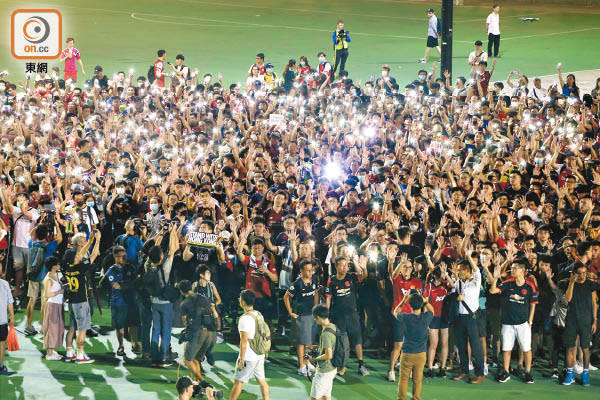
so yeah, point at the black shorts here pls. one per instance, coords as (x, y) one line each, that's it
(581, 328)
(438, 323)
(3, 332)
(119, 316)
(432, 41)
(349, 323)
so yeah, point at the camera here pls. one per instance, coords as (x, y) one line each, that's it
(200, 390)
(311, 353)
(342, 34)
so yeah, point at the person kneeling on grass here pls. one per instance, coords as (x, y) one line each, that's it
(414, 327)
(200, 319)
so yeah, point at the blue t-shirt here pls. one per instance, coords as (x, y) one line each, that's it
(415, 331)
(115, 275)
(133, 246)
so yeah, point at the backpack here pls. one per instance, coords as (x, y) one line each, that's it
(37, 266)
(108, 260)
(341, 351)
(151, 76)
(154, 284)
(261, 342)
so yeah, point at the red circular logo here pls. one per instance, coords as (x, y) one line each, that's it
(524, 291)
(347, 283)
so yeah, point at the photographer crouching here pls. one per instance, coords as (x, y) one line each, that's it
(187, 388)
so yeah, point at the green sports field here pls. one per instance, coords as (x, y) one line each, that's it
(112, 378)
(226, 35)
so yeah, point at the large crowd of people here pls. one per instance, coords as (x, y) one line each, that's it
(174, 192)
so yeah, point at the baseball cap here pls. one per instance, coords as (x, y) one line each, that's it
(431, 10)
(98, 68)
(478, 43)
(269, 65)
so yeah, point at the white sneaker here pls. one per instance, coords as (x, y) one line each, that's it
(220, 338)
(391, 376)
(422, 61)
(303, 371)
(311, 368)
(363, 370)
(397, 365)
(592, 368)
(471, 367)
(485, 369)
(53, 357)
(578, 368)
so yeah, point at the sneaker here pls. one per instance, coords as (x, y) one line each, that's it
(30, 331)
(164, 364)
(527, 377)
(422, 61)
(585, 378)
(121, 352)
(220, 338)
(578, 368)
(363, 370)
(3, 370)
(428, 373)
(485, 369)
(70, 357)
(53, 357)
(303, 371)
(441, 373)
(391, 376)
(84, 360)
(503, 376)
(136, 349)
(471, 367)
(592, 368)
(570, 378)
(397, 365)
(554, 374)
(311, 368)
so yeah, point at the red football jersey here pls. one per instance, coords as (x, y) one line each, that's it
(402, 288)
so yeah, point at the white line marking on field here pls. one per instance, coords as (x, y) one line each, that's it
(551, 34)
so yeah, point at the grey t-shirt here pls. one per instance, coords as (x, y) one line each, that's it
(432, 28)
(415, 330)
(327, 341)
(5, 299)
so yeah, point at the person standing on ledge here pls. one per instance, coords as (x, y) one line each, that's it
(341, 38)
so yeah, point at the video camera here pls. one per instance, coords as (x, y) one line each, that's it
(342, 34)
(201, 388)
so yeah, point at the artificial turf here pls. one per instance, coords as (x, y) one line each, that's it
(112, 377)
(224, 36)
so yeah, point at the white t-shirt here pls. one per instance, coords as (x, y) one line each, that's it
(483, 56)
(493, 21)
(23, 226)
(247, 324)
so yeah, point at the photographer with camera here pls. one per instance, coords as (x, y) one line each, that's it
(200, 320)
(132, 239)
(322, 382)
(414, 327)
(341, 38)
(187, 389)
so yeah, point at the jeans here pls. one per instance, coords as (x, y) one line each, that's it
(145, 325)
(467, 330)
(411, 363)
(162, 320)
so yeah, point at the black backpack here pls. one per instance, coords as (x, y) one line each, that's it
(153, 281)
(341, 351)
(151, 76)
